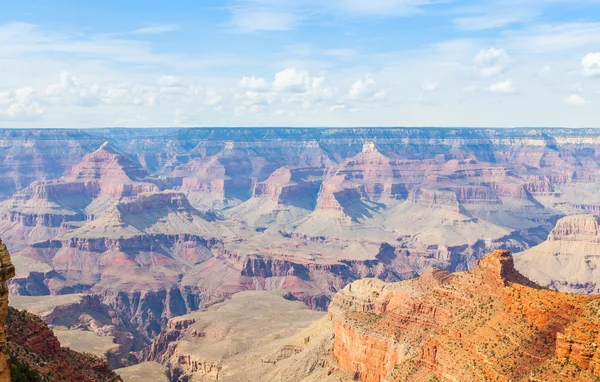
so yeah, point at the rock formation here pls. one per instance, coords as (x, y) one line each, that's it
(7, 271)
(489, 324)
(34, 349)
(29, 347)
(569, 260)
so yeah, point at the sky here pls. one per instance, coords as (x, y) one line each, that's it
(322, 63)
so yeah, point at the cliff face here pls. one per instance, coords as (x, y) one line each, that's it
(489, 324)
(29, 344)
(34, 346)
(569, 260)
(7, 271)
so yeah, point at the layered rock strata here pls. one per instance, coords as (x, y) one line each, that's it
(569, 260)
(489, 324)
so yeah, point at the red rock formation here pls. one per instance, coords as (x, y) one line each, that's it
(32, 343)
(491, 323)
(106, 164)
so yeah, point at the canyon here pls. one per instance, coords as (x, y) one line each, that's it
(118, 236)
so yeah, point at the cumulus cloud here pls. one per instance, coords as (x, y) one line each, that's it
(491, 62)
(296, 81)
(591, 64)
(22, 104)
(290, 89)
(366, 89)
(29, 103)
(254, 84)
(506, 87)
(576, 100)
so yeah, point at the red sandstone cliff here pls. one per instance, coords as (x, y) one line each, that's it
(488, 324)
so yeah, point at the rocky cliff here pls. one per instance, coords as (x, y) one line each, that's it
(35, 350)
(7, 271)
(29, 349)
(489, 324)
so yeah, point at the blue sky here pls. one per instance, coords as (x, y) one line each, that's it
(300, 63)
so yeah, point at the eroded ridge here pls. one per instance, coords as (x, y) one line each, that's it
(488, 324)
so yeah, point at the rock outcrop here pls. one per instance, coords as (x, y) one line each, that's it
(34, 349)
(29, 348)
(569, 260)
(489, 324)
(7, 271)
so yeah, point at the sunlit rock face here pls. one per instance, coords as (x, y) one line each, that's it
(489, 324)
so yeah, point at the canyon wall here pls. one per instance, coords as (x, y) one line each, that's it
(7, 271)
(489, 324)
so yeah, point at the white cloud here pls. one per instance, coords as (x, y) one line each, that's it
(337, 107)
(591, 64)
(296, 81)
(429, 86)
(491, 71)
(255, 84)
(576, 100)
(489, 57)
(506, 87)
(366, 89)
(213, 99)
(491, 62)
(157, 29)
(291, 89)
(22, 104)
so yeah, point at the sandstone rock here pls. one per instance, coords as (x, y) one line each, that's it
(490, 323)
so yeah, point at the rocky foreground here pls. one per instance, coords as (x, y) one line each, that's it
(29, 350)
